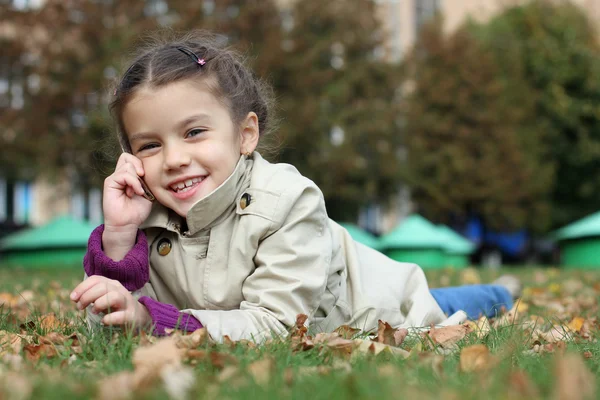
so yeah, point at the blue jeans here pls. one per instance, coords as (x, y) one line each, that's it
(475, 300)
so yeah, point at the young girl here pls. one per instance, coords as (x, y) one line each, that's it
(232, 242)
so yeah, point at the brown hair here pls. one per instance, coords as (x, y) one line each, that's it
(160, 62)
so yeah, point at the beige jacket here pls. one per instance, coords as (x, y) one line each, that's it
(246, 272)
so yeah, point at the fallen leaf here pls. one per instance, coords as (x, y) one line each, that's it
(476, 358)
(369, 347)
(448, 336)
(262, 370)
(481, 327)
(10, 343)
(16, 386)
(400, 335)
(385, 333)
(177, 380)
(520, 385)
(346, 331)
(49, 322)
(116, 387)
(574, 381)
(576, 324)
(33, 352)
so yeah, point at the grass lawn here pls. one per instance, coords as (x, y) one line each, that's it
(547, 348)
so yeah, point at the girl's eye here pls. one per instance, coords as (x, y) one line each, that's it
(147, 147)
(195, 132)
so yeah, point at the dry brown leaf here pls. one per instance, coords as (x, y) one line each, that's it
(476, 358)
(556, 334)
(177, 380)
(324, 337)
(10, 343)
(576, 324)
(574, 381)
(388, 371)
(346, 332)
(33, 352)
(385, 333)
(16, 386)
(400, 335)
(262, 370)
(299, 330)
(521, 386)
(448, 336)
(481, 327)
(50, 322)
(163, 352)
(369, 347)
(116, 387)
(199, 337)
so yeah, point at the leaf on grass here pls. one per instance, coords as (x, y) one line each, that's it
(33, 352)
(199, 337)
(481, 327)
(476, 358)
(16, 386)
(299, 330)
(385, 333)
(346, 332)
(375, 348)
(576, 324)
(520, 385)
(10, 343)
(178, 380)
(116, 387)
(448, 336)
(49, 322)
(262, 370)
(558, 333)
(573, 379)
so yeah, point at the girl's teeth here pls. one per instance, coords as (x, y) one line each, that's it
(188, 182)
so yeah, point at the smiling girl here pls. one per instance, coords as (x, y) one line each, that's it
(233, 243)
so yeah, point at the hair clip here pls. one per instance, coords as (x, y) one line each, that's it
(193, 56)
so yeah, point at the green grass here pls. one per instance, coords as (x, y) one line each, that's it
(425, 374)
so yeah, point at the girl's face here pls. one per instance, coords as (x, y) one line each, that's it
(186, 141)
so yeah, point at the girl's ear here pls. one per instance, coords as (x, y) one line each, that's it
(250, 133)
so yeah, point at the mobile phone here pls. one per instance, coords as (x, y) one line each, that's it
(147, 193)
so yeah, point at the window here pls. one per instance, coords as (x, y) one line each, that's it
(22, 202)
(3, 205)
(424, 11)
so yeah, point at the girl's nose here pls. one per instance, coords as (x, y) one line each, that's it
(176, 158)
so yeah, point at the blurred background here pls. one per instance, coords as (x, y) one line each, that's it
(449, 133)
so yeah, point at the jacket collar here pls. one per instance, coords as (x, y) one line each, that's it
(209, 210)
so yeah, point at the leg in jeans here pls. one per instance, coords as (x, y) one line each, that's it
(475, 300)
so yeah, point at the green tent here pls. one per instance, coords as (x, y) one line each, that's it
(579, 243)
(361, 235)
(457, 248)
(61, 242)
(415, 240)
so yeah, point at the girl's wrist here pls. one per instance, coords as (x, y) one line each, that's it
(117, 242)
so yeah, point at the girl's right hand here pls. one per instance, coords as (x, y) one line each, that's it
(124, 206)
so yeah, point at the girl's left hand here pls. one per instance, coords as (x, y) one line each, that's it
(111, 297)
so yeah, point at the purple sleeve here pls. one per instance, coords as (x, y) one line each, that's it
(132, 271)
(168, 316)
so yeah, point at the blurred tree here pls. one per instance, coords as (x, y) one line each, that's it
(60, 59)
(552, 50)
(466, 155)
(337, 102)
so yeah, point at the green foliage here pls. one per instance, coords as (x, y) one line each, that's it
(333, 86)
(467, 154)
(551, 50)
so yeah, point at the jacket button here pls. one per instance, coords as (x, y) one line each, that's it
(245, 200)
(164, 247)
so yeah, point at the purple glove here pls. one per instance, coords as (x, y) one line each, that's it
(168, 316)
(133, 271)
